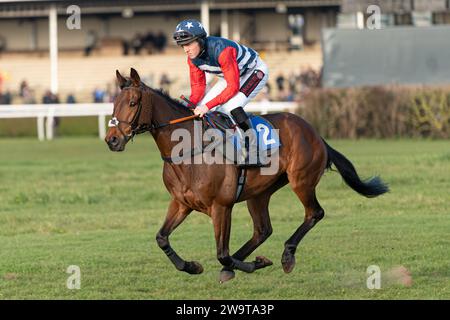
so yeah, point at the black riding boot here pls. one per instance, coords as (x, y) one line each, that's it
(243, 121)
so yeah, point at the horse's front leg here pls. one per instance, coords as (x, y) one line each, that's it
(175, 216)
(221, 217)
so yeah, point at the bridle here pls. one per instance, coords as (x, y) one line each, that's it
(137, 129)
(133, 124)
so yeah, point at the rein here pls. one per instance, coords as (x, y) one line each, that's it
(153, 127)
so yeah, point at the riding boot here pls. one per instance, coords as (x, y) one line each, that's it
(250, 142)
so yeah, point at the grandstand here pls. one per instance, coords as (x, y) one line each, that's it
(80, 75)
(266, 25)
(25, 30)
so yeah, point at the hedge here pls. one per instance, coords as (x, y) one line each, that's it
(378, 112)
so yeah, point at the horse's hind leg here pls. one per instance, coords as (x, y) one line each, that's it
(175, 216)
(313, 213)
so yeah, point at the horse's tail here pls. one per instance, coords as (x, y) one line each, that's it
(370, 188)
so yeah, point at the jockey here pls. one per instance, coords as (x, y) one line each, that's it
(242, 74)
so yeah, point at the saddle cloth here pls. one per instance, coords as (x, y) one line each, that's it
(266, 136)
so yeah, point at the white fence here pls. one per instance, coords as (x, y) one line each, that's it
(48, 112)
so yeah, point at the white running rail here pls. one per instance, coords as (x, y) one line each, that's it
(101, 110)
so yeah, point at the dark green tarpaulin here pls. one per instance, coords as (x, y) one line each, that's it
(402, 55)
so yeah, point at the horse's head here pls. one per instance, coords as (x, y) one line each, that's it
(132, 111)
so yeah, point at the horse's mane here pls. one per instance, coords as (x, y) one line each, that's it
(177, 107)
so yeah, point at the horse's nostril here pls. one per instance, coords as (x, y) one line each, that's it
(114, 141)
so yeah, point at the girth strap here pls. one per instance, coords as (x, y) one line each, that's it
(241, 182)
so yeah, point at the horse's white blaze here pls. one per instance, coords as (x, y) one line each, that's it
(113, 122)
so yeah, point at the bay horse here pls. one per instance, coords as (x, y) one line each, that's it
(210, 188)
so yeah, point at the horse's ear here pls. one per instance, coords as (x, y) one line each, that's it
(134, 76)
(120, 80)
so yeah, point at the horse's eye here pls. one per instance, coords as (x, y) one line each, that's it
(132, 104)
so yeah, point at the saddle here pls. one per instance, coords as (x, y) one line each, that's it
(218, 120)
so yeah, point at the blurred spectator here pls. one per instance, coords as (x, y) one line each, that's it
(292, 83)
(125, 47)
(109, 93)
(6, 97)
(268, 88)
(2, 44)
(91, 42)
(70, 98)
(309, 78)
(149, 42)
(137, 43)
(280, 82)
(265, 93)
(292, 87)
(29, 97)
(49, 98)
(98, 95)
(26, 93)
(23, 88)
(160, 41)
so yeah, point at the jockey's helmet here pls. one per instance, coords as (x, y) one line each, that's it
(188, 31)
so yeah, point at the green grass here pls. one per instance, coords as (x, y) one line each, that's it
(73, 202)
(68, 126)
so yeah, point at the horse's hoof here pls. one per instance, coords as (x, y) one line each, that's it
(288, 262)
(226, 275)
(193, 267)
(262, 262)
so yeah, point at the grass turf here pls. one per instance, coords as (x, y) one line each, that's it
(73, 202)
